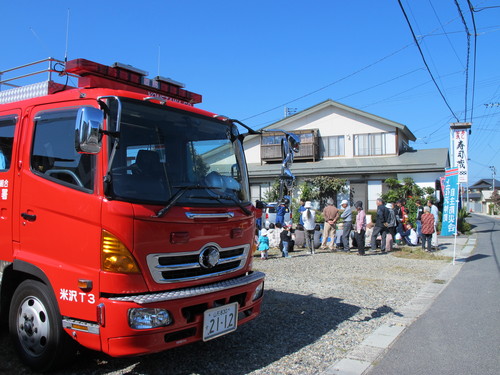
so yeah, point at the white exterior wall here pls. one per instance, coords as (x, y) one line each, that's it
(374, 192)
(252, 150)
(422, 179)
(330, 121)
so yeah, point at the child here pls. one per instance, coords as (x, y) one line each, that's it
(410, 236)
(369, 231)
(339, 245)
(300, 236)
(285, 239)
(263, 245)
(272, 235)
(276, 241)
(317, 236)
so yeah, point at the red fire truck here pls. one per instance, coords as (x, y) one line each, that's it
(125, 216)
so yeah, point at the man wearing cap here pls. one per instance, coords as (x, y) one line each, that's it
(347, 218)
(331, 215)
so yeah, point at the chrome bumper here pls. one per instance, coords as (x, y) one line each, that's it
(191, 292)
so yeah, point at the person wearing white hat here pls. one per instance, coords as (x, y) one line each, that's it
(308, 217)
(346, 216)
(263, 245)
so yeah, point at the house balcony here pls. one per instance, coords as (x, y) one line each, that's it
(270, 146)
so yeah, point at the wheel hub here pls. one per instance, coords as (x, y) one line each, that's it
(33, 325)
(28, 326)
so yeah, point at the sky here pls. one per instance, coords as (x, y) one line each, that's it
(251, 59)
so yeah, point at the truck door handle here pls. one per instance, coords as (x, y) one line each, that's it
(28, 217)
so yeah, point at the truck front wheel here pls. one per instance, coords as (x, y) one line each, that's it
(36, 329)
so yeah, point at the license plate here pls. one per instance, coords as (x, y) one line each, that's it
(219, 321)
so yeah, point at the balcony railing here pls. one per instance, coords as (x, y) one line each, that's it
(270, 146)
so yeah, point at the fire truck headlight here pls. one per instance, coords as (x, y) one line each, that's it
(143, 318)
(259, 291)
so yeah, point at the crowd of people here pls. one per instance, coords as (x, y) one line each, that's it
(390, 226)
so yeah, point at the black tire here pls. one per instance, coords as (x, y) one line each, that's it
(36, 329)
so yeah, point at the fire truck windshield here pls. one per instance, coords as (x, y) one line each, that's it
(163, 151)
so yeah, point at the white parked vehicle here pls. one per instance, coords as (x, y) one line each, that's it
(269, 215)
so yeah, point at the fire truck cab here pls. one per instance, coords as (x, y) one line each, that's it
(125, 216)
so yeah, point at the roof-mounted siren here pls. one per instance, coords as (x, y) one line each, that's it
(121, 76)
(130, 68)
(170, 81)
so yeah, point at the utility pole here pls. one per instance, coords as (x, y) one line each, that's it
(493, 172)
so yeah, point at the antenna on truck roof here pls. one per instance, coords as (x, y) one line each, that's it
(67, 39)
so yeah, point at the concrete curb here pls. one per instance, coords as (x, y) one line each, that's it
(362, 358)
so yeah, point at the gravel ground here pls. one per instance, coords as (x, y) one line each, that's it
(316, 309)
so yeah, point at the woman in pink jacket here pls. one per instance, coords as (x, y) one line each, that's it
(360, 227)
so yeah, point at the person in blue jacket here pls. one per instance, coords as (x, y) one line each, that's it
(300, 210)
(281, 211)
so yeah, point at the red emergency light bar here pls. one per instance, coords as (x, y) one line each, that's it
(92, 74)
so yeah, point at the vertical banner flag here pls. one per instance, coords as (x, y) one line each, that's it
(450, 207)
(460, 144)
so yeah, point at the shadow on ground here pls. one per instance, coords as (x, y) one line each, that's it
(476, 257)
(288, 323)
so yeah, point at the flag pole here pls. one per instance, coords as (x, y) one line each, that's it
(456, 230)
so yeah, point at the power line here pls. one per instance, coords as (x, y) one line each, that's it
(421, 37)
(425, 62)
(330, 84)
(379, 84)
(468, 56)
(404, 91)
(483, 8)
(471, 9)
(424, 45)
(446, 33)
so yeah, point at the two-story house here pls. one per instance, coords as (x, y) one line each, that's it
(341, 141)
(480, 194)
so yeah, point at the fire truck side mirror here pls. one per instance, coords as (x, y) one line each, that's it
(260, 204)
(89, 122)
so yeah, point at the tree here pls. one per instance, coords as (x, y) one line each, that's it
(429, 191)
(324, 187)
(411, 189)
(495, 202)
(273, 193)
(306, 192)
(408, 190)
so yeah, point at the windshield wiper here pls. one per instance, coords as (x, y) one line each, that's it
(182, 189)
(229, 198)
(174, 198)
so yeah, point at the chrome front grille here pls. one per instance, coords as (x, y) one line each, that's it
(187, 266)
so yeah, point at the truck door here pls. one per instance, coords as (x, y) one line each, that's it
(60, 209)
(8, 125)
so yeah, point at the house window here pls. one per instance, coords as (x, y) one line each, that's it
(306, 138)
(272, 139)
(333, 146)
(375, 144)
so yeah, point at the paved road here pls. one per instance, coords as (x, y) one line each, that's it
(460, 333)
